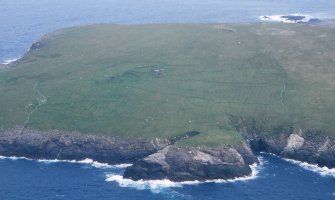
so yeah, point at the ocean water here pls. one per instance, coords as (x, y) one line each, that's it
(23, 22)
(274, 179)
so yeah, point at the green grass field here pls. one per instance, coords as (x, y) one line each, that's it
(163, 80)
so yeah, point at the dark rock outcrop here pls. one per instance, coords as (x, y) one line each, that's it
(309, 146)
(161, 159)
(154, 159)
(74, 145)
(184, 164)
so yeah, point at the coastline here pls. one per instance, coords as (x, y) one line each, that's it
(8, 63)
(158, 159)
(74, 147)
(86, 161)
(62, 145)
(150, 156)
(308, 146)
(157, 185)
(152, 184)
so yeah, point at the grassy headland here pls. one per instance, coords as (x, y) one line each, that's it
(163, 80)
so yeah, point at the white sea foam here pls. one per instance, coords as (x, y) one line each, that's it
(323, 171)
(272, 154)
(153, 185)
(281, 18)
(157, 185)
(86, 161)
(14, 158)
(8, 61)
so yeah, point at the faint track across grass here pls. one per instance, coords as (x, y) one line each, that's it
(41, 99)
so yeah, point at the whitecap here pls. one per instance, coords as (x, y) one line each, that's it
(157, 185)
(323, 171)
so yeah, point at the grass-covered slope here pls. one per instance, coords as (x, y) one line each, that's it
(164, 80)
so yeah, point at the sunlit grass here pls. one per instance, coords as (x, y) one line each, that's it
(163, 80)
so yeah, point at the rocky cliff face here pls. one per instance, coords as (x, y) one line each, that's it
(161, 159)
(73, 145)
(153, 159)
(184, 164)
(309, 146)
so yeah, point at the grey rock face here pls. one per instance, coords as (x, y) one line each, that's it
(310, 146)
(154, 159)
(294, 142)
(184, 164)
(73, 145)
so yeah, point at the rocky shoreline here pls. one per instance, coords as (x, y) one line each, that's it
(75, 146)
(310, 146)
(161, 159)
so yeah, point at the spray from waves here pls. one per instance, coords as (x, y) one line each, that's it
(8, 61)
(86, 161)
(157, 185)
(323, 171)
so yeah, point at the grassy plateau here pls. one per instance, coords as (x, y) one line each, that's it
(163, 80)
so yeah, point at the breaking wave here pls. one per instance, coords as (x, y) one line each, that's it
(290, 18)
(323, 171)
(8, 61)
(86, 161)
(158, 185)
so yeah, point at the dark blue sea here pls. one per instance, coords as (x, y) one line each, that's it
(274, 179)
(24, 21)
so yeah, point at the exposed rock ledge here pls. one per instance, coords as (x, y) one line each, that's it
(184, 164)
(160, 159)
(74, 145)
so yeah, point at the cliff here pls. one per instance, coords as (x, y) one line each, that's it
(163, 159)
(152, 159)
(74, 145)
(309, 146)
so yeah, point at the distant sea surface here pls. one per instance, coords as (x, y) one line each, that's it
(23, 22)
